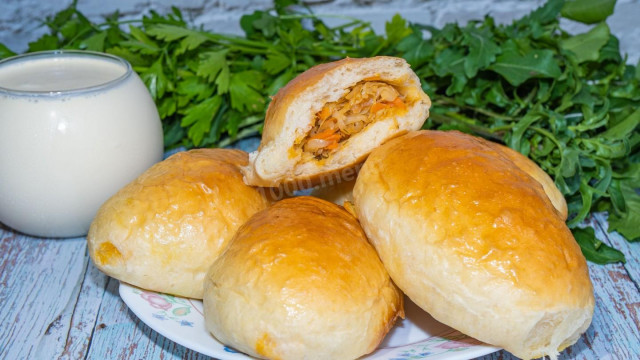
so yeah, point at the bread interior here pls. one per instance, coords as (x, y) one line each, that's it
(363, 104)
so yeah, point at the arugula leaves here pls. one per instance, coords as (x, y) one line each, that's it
(588, 11)
(595, 250)
(586, 47)
(569, 102)
(517, 68)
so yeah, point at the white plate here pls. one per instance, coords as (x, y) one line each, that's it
(416, 337)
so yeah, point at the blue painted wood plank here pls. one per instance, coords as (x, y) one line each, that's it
(85, 313)
(119, 334)
(631, 250)
(40, 281)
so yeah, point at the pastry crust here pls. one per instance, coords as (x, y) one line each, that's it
(293, 112)
(474, 240)
(341, 192)
(300, 281)
(531, 168)
(162, 231)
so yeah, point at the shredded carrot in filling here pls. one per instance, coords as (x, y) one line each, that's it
(365, 103)
(328, 133)
(324, 113)
(378, 106)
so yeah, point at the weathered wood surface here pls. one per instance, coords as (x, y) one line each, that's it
(56, 305)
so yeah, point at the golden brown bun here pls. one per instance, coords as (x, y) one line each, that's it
(474, 241)
(163, 230)
(300, 281)
(291, 115)
(531, 168)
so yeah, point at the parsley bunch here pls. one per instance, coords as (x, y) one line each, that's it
(569, 102)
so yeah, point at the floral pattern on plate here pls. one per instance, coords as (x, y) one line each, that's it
(168, 307)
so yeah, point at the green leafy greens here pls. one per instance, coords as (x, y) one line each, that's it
(569, 102)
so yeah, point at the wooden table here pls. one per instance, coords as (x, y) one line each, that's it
(54, 304)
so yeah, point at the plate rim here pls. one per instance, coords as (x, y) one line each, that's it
(378, 354)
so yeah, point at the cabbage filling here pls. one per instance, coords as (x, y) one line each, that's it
(363, 104)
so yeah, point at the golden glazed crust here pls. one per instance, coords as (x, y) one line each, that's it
(528, 166)
(163, 230)
(300, 281)
(291, 115)
(473, 239)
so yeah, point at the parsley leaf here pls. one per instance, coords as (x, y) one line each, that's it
(198, 118)
(155, 79)
(396, 29)
(244, 89)
(211, 64)
(276, 62)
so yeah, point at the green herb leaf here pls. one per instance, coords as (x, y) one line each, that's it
(282, 5)
(519, 129)
(517, 68)
(244, 89)
(611, 50)
(247, 22)
(595, 250)
(545, 14)
(588, 11)
(276, 62)
(265, 23)
(586, 47)
(95, 42)
(416, 51)
(482, 50)
(141, 47)
(211, 64)
(170, 33)
(194, 88)
(139, 35)
(136, 60)
(5, 52)
(199, 117)
(279, 82)
(451, 62)
(624, 128)
(587, 194)
(173, 134)
(155, 79)
(46, 42)
(628, 223)
(223, 79)
(396, 29)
